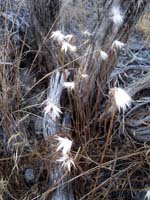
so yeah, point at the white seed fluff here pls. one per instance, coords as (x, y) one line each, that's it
(57, 36)
(147, 196)
(118, 45)
(52, 110)
(68, 47)
(104, 55)
(122, 99)
(67, 162)
(65, 144)
(69, 85)
(63, 41)
(117, 16)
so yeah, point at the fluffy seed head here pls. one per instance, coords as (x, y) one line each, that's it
(147, 196)
(52, 110)
(117, 44)
(57, 36)
(120, 97)
(65, 144)
(68, 47)
(117, 16)
(69, 85)
(104, 55)
(67, 162)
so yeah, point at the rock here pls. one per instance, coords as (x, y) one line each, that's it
(29, 176)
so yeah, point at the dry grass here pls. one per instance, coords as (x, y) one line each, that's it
(143, 26)
(109, 163)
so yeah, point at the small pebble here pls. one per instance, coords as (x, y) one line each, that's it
(29, 176)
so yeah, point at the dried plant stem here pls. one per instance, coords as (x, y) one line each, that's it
(106, 145)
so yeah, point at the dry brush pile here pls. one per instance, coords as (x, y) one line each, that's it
(74, 124)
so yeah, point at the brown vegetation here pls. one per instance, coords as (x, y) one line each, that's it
(110, 149)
